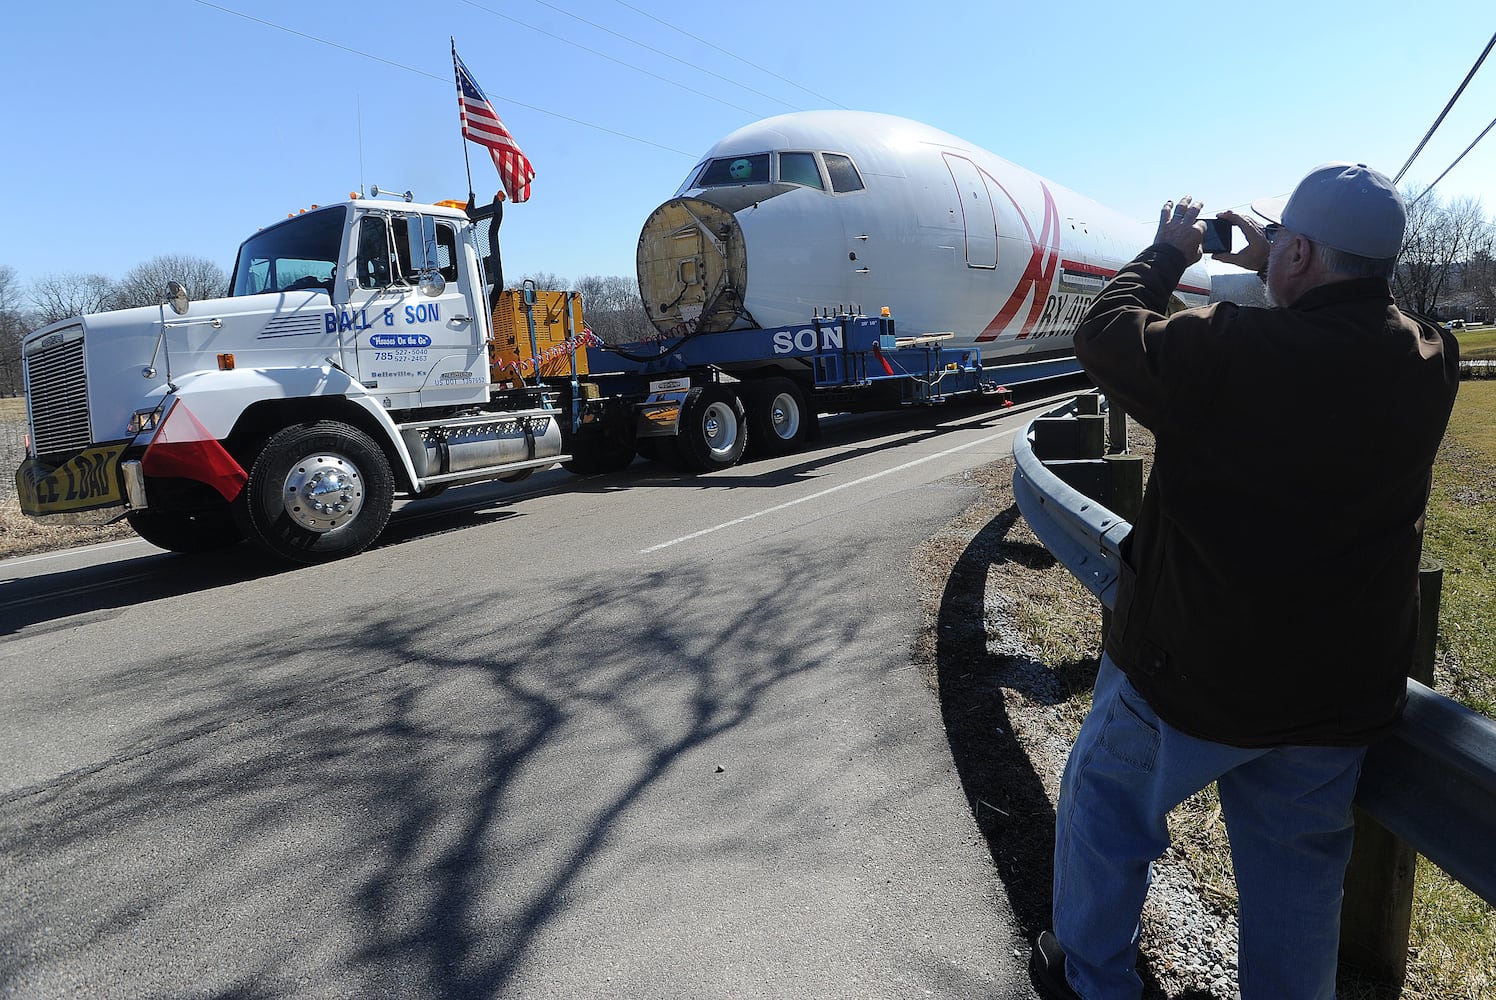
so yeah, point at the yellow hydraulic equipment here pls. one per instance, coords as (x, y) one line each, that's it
(537, 333)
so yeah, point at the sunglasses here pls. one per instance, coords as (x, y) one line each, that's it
(1271, 231)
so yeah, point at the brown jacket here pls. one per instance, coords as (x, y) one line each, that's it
(1271, 589)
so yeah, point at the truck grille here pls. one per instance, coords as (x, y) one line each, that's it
(59, 395)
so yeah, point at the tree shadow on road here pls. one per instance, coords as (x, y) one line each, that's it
(415, 731)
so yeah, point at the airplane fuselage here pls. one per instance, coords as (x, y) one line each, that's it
(828, 210)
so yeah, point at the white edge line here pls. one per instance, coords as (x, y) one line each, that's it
(816, 496)
(73, 550)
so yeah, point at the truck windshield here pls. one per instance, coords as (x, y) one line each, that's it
(300, 253)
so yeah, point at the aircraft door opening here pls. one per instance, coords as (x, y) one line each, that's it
(977, 214)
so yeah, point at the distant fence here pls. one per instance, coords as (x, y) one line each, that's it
(1480, 368)
(1432, 783)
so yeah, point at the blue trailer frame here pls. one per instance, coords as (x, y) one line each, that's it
(840, 352)
(699, 391)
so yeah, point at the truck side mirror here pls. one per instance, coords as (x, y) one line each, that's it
(176, 297)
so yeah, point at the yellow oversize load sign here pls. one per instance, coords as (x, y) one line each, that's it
(87, 481)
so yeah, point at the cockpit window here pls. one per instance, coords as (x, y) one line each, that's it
(843, 171)
(730, 170)
(793, 168)
(800, 168)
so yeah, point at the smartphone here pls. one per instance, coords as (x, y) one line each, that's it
(1217, 236)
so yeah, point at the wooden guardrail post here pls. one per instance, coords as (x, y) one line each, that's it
(1085, 452)
(1116, 430)
(1377, 910)
(1124, 477)
(1069, 438)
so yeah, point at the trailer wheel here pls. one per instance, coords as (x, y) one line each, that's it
(776, 416)
(712, 430)
(186, 531)
(317, 492)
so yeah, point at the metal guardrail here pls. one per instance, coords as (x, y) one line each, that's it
(1077, 530)
(1432, 782)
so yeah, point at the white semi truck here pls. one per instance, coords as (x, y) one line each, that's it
(354, 360)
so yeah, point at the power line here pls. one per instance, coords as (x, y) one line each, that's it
(447, 79)
(667, 55)
(1429, 134)
(1456, 162)
(604, 55)
(320, 41)
(731, 55)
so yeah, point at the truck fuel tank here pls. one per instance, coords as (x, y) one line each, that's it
(482, 441)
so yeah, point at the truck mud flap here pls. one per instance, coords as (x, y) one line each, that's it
(659, 415)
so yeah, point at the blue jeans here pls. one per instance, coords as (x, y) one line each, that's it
(1288, 816)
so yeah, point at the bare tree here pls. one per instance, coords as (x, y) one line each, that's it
(1439, 239)
(613, 309)
(544, 280)
(14, 323)
(63, 296)
(1480, 279)
(145, 284)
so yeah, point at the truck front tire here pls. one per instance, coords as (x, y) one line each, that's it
(317, 492)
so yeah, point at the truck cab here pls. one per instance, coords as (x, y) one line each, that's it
(398, 293)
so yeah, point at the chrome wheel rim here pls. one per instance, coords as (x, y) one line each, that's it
(719, 427)
(784, 416)
(323, 492)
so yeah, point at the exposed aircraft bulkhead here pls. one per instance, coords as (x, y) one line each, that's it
(693, 268)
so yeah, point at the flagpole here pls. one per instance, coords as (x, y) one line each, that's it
(472, 197)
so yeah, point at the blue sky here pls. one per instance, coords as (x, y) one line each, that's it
(182, 126)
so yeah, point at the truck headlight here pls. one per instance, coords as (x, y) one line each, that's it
(143, 420)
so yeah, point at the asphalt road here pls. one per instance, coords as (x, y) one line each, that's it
(631, 736)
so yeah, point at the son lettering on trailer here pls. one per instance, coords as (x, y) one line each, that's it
(804, 341)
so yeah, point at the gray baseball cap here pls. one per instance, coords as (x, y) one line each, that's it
(1344, 206)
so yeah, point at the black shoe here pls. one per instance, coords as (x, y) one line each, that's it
(1047, 963)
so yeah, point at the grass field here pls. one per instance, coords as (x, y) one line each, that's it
(1479, 343)
(1454, 932)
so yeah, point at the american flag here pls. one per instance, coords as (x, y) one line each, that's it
(480, 123)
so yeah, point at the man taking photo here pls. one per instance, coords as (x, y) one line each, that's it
(1267, 610)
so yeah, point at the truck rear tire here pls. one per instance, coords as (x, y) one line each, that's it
(186, 531)
(776, 416)
(317, 492)
(712, 430)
